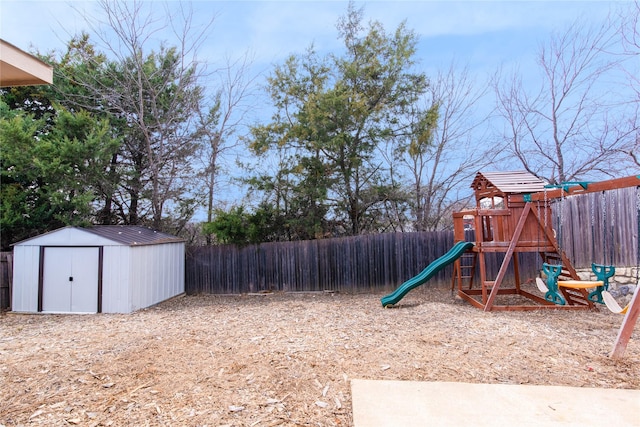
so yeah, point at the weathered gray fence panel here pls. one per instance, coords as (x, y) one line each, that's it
(350, 264)
(600, 228)
(6, 275)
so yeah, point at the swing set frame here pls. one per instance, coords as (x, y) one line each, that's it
(511, 217)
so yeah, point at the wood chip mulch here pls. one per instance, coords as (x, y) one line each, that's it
(285, 359)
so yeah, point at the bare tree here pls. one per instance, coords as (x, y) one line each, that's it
(570, 125)
(153, 88)
(630, 32)
(219, 126)
(451, 151)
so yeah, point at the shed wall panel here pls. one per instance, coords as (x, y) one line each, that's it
(26, 267)
(157, 273)
(116, 280)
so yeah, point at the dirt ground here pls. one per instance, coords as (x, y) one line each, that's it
(285, 359)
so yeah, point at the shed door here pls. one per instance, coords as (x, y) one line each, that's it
(70, 280)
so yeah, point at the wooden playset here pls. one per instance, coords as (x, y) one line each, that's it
(513, 215)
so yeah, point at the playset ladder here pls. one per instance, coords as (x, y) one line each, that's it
(464, 269)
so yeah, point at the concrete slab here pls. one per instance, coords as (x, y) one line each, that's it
(411, 403)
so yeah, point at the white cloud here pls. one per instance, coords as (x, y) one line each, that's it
(274, 29)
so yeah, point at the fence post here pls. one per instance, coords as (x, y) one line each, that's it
(6, 278)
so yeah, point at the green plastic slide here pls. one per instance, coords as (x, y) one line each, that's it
(454, 253)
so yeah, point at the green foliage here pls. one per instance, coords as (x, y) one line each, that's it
(51, 170)
(150, 100)
(239, 227)
(333, 114)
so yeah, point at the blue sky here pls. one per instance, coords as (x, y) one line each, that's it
(482, 35)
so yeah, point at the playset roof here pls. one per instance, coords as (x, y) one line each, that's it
(511, 182)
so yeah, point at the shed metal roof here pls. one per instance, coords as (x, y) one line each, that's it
(509, 182)
(132, 235)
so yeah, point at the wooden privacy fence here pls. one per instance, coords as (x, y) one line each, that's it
(6, 275)
(601, 228)
(351, 264)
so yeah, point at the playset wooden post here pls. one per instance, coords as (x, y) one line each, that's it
(626, 329)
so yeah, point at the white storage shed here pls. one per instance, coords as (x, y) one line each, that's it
(101, 269)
